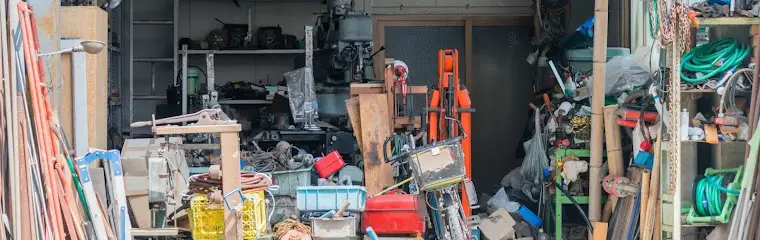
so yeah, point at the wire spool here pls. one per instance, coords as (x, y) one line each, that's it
(710, 194)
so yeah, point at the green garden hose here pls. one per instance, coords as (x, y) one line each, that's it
(708, 195)
(712, 58)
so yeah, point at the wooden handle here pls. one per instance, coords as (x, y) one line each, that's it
(339, 213)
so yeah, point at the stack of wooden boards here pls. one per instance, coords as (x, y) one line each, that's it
(45, 200)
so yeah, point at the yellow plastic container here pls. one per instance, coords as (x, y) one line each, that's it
(207, 218)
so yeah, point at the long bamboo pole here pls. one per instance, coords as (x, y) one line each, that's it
(597, 102)
(614, 155)
(645, 177)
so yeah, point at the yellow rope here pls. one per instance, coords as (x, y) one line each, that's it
(282, 228)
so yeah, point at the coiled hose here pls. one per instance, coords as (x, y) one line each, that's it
(709, 195)
(712, 58)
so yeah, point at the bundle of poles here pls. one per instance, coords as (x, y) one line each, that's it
(42, 202)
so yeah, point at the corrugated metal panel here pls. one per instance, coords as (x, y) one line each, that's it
(418, 47)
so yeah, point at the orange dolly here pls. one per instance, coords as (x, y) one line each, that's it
(451, 99)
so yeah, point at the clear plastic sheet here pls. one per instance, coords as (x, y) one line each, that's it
(303, 100)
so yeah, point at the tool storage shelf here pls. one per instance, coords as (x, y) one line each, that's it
(673, 155)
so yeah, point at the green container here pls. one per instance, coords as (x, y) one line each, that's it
(583, 59)
(193, 80)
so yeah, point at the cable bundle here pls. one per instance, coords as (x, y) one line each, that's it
(709, 195)
(249, 181)
(713, 58)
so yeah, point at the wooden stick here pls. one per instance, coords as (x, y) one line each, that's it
(597, 102)
(645, 175)
(388, 189)
(339, 213)
(654, 185)
(600, 231)
(614, 154)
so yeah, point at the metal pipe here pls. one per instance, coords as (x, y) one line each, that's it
(597, 102)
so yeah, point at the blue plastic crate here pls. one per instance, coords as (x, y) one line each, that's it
(326, 198)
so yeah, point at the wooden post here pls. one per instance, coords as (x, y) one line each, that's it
(597, 102)
(230, 144)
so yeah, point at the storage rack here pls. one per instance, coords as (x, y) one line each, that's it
(308, 52)
(179, 60)
(671, 196)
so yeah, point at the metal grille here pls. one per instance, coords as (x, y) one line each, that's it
(500, 93)
(114, 71)
(418, 47)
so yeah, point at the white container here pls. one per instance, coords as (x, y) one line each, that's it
(322, 228)
(684, 125)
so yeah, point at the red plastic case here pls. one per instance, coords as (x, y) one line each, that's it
(393, 214)
(329, 164)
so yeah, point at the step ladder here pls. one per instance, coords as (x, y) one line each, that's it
(141, 23)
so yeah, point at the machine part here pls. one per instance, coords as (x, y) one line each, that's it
(348, 35)
(450, 104)
(351, 175)
(123, 226)
(343, 142)
(619, 186)
(270, 37)
(203, 117)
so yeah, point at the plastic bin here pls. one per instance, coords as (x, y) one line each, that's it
(583, 59)
(207, 218)
(289, 181)
(326, 198)
(323, 228)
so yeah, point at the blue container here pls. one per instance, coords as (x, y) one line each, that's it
(326, 198)
(530, 217)
(475, 234)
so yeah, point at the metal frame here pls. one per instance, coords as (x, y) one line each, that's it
(124, 225)
(230, 146)
(79, 96)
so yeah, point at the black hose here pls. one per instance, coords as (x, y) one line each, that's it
(575, 203)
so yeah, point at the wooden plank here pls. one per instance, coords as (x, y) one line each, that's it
(352, 105)
(375, 127)
(390, 96)
(25, 221)
(231, 182)
(600, 231)
(727, 21)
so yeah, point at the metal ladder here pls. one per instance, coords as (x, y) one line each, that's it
(152, 61)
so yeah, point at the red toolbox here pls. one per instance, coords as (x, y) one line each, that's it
(393, 213)
(329, 164)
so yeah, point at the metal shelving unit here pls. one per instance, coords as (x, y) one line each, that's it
(210, 79)
(179, 59)
(152, 61)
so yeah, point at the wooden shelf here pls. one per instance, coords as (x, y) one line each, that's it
(694, 90)
(728, 21)
(245, 52)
